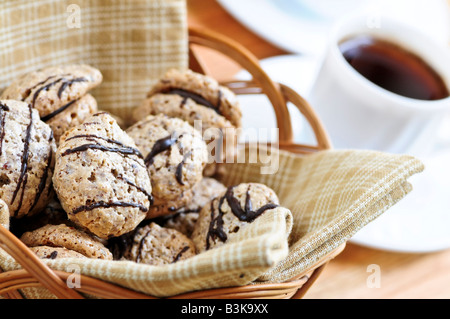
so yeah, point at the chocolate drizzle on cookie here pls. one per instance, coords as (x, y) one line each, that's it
(49, 116)
(178, 256)
(45, 174)
(24, 164)
(142, 190)
(123, 149)
(3, 109)
(85, 147)
(219, 99)
(92, 137)
(160, 146)
(195, 97)
(69, 83)
(183, 102)
(179, 170)
(29, 90)
(141, 245)
(216, 225)
(103, 204)
(53, 255)
(246, 215)
(64, 85)
(44, 88)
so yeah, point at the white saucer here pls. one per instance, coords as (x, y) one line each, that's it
(301, 26)
(420, 222)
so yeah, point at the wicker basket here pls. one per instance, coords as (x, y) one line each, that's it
(34, 273)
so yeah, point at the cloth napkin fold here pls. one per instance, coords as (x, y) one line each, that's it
(332, 194)
(326, 197)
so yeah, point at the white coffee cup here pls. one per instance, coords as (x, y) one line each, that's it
(359, 114)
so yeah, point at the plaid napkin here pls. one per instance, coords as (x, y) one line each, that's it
(133, 43)
(331, 194)
(326, 197)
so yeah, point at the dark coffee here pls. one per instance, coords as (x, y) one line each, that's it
(393, 68)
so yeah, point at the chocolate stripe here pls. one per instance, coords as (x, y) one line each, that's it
(3, 109)
(47, 117)
(246, 214)
(178, 256)
(141, 244)
(28, 91)
(183, 102)
(64, 85)
(85, 147)
(25, 180)
(69, 83)
(219, 99)
(149, 196)
(24, 166)
(179, 170)
(103, 204)
(216, 224)
(195, 97)
(91, 137)
(45, 87)
(160, 146)
(45, 174)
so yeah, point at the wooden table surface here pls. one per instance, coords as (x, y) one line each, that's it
(350, 274)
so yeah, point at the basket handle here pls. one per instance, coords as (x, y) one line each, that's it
(278, 94)
(246, 59)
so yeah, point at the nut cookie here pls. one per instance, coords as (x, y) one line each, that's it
(187, 109)
(101, 179)
(200, 100)
(185, 218)
(175, 156)
(68, 237)
(4, 214)
(27, 158)
(167, 207)
(58, 94)
(51, 88)
(155, 245)
(48, 252)
(201, 89)
(234, 209)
